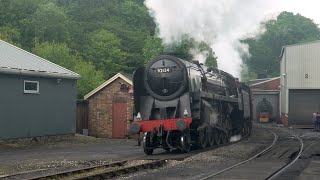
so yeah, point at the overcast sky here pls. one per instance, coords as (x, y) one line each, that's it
(308, 8)
(221, 23)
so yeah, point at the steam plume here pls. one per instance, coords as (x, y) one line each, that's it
(219, 23)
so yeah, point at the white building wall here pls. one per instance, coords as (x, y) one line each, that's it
(283, 85)
(303, 65)
(299, 69)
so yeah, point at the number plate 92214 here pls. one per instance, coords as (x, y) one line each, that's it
(163, 70)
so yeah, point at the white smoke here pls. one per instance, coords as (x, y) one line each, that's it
(219, 23)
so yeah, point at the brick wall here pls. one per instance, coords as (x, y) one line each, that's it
(100, 109)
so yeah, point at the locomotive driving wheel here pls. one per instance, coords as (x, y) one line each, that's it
(211, 136)
(202, 139)
(226, 138)
(244, 130)
(217, 137)
(223, 138)
(185, 142)
(147, 144)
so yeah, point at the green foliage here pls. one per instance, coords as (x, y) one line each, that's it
(90, 77)
(185, 49)
(181, 49)
(211, 58)
(105, 52)
(51, 22)
(211, 61)
(152, 48)
(18, 14)
(60, 54)
(10, 35)
(80, 35)
(265, 49)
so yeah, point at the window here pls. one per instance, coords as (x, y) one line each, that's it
(124, 88)
(31, 87)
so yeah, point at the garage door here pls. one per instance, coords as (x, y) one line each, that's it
(302, 104)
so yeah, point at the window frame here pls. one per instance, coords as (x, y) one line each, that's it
(31, 91)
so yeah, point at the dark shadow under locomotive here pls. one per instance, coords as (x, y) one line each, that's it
(179, 104)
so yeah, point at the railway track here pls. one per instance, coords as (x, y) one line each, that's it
(106, 171)
(270, 148)
(119, 168)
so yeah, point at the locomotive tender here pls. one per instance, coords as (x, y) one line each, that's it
(179, 104)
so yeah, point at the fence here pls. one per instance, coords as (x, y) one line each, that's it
(82, 117)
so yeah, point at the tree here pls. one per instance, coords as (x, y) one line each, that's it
(90, 77)
(152, 48)
(75, 23)
(10, 35)
(51, 23)
(17, 15)
(105, 52)
(265, 48)
(60, 54)
(211, 58)
(186, 49)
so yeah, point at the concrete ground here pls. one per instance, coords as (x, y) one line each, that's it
(63, 153)
(74, 152)
(200, 165)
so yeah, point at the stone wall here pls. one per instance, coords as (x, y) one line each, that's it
(100, 108)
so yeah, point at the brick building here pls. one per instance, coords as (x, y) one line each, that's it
(110, 107)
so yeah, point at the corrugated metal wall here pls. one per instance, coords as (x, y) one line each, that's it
(303, 103)
(303, 64)
(299, 70)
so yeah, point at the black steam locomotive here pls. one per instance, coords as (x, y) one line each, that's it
(179, 104)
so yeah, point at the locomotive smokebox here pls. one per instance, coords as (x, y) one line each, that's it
(166, 77)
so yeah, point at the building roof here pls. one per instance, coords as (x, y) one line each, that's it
(119, 75)
(268, 84)
(255, 81)
(129, 76)
(297, 44)
(14, 60)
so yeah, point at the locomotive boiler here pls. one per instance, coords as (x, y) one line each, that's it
(179, 104)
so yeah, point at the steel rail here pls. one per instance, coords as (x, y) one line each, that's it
(105, 174)
(112, 173)
(281, 170)
(125, 170)
(82, 170)
(245, 161)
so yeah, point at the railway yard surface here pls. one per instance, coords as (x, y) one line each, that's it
(265, 154)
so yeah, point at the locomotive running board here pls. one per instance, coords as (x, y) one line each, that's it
(215, 96)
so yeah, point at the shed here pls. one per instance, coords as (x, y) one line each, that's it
(300, 83)
(37, 97)
(110, 107)
(269, 89)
